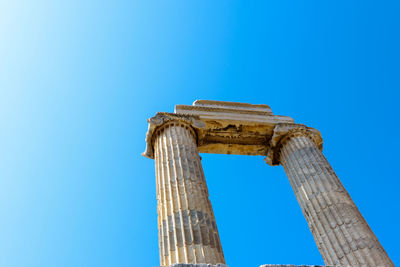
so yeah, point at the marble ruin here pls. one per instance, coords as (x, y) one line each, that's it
(188, 234)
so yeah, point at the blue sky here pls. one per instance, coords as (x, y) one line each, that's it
(78, 79)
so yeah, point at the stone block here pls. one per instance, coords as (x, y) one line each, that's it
(233, 128)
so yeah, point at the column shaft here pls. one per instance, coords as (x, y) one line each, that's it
(340, 231)
(187, 229)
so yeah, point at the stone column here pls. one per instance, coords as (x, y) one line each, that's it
(342, 235)
(187, 228)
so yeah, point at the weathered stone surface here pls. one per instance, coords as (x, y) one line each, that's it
(233, 128)
(187, 229)
(284, 131)
(159, 120)
(342, 235)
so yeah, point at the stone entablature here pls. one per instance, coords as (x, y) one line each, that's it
(188, 234)
(224, 127)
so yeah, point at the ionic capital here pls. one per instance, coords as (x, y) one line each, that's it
(282, 133)
(160, 120)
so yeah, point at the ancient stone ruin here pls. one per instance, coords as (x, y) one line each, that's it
(188, 234)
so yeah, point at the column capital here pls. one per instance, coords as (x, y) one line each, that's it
(161, 119)
(285, 131)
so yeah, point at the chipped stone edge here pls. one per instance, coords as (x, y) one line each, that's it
(284, 131)
(203, 102)
(160, 119)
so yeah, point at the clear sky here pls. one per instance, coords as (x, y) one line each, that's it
(78, 79)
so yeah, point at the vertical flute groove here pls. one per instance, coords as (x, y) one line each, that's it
(189, 257)
(318, 205)
(187, 228)
(355, 242)
(206, 228)
(322, 246)
(340, 231)
(185, 160)
(301, 191)
(163, 203)
(170, 207)
(333, 209)
(159, 208)
(182, 255)
(194, 196)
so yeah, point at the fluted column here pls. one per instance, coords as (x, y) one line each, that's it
(342, 235)
(187, 228)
